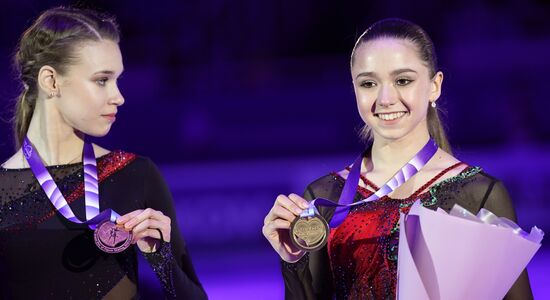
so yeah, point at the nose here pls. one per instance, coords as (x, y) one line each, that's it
(387, 95)
(117, 99)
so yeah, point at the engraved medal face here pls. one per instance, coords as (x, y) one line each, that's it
(111, 238)
(309, 234)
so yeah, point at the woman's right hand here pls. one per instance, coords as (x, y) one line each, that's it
(277, 225)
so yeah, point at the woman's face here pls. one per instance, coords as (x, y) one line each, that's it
(393, 88)
(89, 97)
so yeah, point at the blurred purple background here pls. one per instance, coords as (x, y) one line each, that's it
(238, 101)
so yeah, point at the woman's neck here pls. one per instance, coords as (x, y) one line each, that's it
(56, 142)
(391, 155)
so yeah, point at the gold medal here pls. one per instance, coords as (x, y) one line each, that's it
(309, 233)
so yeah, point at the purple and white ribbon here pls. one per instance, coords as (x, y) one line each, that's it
(91, 187)
(350, 187)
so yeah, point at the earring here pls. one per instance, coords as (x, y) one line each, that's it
(52, 94)
(434, 105)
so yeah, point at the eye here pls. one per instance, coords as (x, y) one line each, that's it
(102, 81)
(403, 81)
(368, 84)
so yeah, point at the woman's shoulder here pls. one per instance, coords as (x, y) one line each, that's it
(121, 157)
(328, 186)
(474, 189)
(458, 174)
(131, 166)
(471, 178)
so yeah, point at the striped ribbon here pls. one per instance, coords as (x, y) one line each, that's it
(91, 187)
(345, 203)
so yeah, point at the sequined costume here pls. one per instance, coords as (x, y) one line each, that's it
(360, 259)
(44, 256)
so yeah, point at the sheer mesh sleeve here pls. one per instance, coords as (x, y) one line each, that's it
(498, 201)
(310, 277)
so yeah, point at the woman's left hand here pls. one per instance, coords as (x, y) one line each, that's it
(145, 226)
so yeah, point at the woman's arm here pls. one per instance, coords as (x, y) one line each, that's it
(171, 262)
(310, 277)
(498, 202)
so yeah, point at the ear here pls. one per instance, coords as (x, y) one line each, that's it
(437, 82)
(48, 81)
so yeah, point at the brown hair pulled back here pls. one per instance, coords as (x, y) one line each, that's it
(402, 29)
(51, 40)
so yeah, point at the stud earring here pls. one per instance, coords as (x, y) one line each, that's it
(52, 94)
(434, 105)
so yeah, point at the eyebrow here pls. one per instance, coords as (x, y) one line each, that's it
(107, 72)
(393, 73)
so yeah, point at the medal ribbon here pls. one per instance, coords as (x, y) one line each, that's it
(350, 187)
(91, 187)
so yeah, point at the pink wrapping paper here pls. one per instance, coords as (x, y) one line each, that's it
(460, 255)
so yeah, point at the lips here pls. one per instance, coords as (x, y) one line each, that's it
(110, 117)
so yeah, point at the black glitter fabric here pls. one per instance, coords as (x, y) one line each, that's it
(162, 263)
(45, 256)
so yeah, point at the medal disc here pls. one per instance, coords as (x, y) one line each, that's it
(309, 234)
(111, 238)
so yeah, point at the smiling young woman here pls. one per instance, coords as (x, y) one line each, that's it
(61, 235)
(397, 86)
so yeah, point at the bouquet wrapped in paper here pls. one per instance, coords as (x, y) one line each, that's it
(460, 255)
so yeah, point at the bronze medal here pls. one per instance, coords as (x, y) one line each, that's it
(309, 233)
(111, 238)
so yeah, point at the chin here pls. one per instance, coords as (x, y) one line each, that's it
(392, 135)
(97, 133)
(101, 134)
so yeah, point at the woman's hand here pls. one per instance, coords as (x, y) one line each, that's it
(145, 226)
(277, 225)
